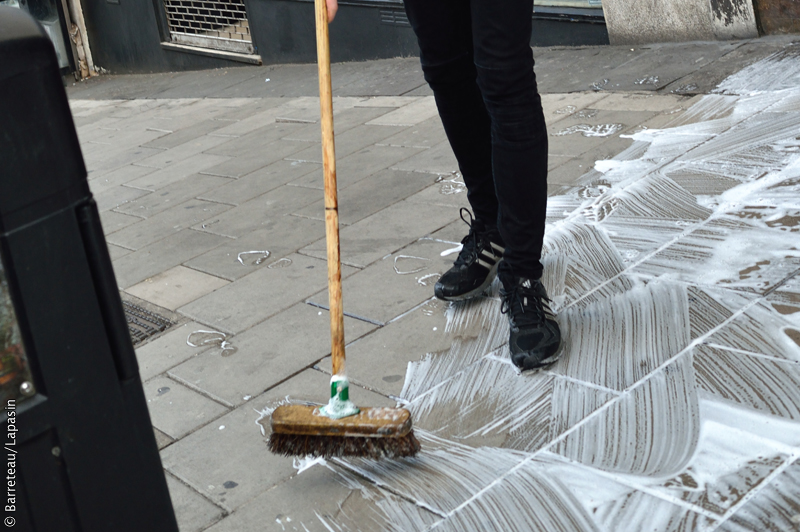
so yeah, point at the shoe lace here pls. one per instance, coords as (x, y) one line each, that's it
(469, 243)
(524, 304)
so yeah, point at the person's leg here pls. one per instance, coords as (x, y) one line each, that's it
(444, 33)
(504, 64)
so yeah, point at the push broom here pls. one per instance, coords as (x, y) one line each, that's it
(338, 428)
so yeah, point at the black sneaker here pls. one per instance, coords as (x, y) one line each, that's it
(535, 339)
(476, 265)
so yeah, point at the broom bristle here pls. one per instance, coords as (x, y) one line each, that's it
(339, 446)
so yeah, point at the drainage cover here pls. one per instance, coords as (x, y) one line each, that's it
(142, 323)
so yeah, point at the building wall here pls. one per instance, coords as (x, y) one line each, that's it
(126, 35)
(648, 21)
(778, 16)
(125, 38)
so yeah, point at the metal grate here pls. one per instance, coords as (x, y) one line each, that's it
(219, 24)
(394, 17)
(142, 323)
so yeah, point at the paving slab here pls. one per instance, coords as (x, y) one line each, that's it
(447, 191)
(122, 87)
(252, 185)
(386, 101)
(586, 65)
(176, 410)
(570, 171)
(638, 101)
(122, 136)
(182, 152)
(260, 295)
(406, 279)
(166, 176)
(176, 287)
(116, 252)
(248, 464)
(261, 212)
(746, 53)
(266, 354)
(242, 165)
(438, 159)
(379, 360)
(112, 160)
(172, 195)
(194, 512)
(331, 497)
(773, 505)
(357, 166)
(207, 83)
(587, 129)
(349, 142)
(163, 255)
(191, 132)
(559, 106)
(168, 350)
(343, 120)
(420, 92)
(733, 376)
(257, 139)
(385, 232)
(261, 248)
(120, 176)
(115, 196)
(409, 115)
(777, 337)
(370, 195)
(663, 63)
(255, 121)
(285, 81)
(425, 134)
(162, 440)
(166, 223)
(114, 221)
(383, 77)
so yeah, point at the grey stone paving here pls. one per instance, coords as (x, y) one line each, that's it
(675, 404)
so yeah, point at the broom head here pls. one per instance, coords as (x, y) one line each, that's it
(299, 430)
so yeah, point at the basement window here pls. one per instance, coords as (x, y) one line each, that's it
(218, 25)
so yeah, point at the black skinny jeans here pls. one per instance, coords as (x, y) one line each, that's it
(477, 59)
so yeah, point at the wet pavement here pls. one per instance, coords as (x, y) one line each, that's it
(672, 255)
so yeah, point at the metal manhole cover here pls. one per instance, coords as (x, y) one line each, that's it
(142, 323)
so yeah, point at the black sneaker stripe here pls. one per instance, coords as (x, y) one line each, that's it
(490, 256)
(485, 264)
(498, 247)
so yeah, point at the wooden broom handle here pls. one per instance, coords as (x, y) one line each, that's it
(331, 201)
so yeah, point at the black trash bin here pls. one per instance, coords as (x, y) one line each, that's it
(79, 447)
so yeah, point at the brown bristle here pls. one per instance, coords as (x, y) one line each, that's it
(339, 446)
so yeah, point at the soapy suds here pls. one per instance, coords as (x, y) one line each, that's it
(674, 406)
(215, 338)
(302, 464)
(429, 279)
(280, 263)
(451, 251)
(408, 264)
(260, 257)
(451, 185)
(602, 130)
(647, 80)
